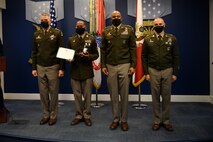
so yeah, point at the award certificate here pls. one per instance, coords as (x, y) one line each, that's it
(65, 53)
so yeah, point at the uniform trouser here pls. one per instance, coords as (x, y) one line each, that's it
(48, 82)
(1, 96)
(161, 85)
(82, 87)
(118, 84)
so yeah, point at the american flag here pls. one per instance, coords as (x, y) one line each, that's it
(52, 14)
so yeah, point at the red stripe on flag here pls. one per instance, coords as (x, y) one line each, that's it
(139, 73)
(101, 16)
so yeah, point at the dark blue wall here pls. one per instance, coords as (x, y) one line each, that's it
(189, 21)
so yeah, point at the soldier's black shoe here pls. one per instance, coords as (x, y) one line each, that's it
(52, 121)
(168, 127)
(76, 121)
(44, 121)
(88, 121)
(114, 125)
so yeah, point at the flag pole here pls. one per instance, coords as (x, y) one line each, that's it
(96, 104)
(54, 25)
(97, 7)
(139, 105)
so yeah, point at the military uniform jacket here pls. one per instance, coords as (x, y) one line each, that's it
(45, 48)
(118, 47)
(81, 67)
(160, 54)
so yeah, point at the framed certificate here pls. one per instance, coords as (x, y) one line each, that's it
(65, 53)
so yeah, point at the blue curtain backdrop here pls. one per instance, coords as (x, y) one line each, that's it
(189, 21)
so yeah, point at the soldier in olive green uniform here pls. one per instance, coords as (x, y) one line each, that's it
(118, 61)
(47, 67)
(81, 71)
(161, 63)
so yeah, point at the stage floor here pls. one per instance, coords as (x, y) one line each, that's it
(191, 121)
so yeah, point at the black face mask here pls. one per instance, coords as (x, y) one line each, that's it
(159, 29)
(116, 22)
(44, 25)
(80, 31)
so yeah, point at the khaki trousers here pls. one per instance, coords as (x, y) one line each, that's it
(118, 84)
(48, 82)
(82, 88)
(161, 86)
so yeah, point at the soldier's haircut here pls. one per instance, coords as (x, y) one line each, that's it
(45, 14)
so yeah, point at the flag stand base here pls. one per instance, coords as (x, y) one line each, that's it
(60, 104)
(139, 105)
(97, 104)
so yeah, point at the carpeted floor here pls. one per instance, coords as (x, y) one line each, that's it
(191, 121)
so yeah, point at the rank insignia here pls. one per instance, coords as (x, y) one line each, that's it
(38, 37)
(52, 37)
(125, 32)
(109, 34)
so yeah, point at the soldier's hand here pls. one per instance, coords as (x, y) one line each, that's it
(60, 73)
(70, 60)
(148, 77)
(131, 70)
(34, 73)
(84, 55)
(104, 70)
(174, 78)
